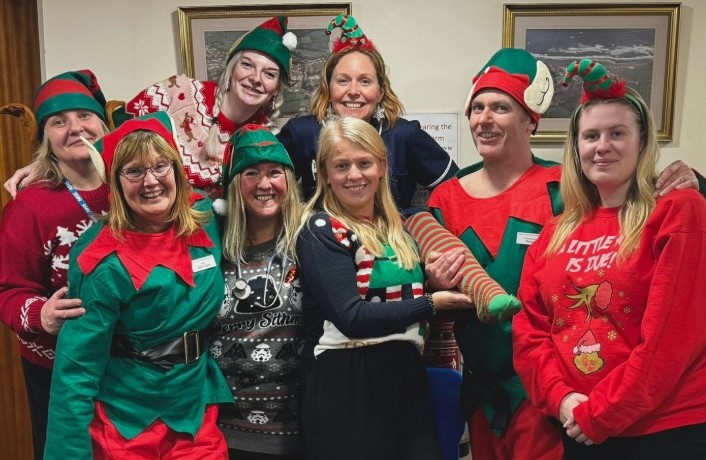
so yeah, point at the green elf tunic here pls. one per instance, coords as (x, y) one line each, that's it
(147, 289)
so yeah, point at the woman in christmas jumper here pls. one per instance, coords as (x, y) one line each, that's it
(610, 340)
(41, 225)
(132, 379)
(364, 392)
(206, 114)
(257, 331)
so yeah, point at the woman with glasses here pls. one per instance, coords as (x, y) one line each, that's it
(132, 376)
(41, 225)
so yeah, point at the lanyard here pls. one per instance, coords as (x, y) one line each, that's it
(79, 200)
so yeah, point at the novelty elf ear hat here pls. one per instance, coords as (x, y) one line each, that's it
(270, 38)
(78, 90)
(103, 151)
(249, 145)
(520, 75)
(352, 36)
(598, 84)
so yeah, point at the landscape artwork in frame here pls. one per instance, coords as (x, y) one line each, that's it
(207, 34)
(636, 41)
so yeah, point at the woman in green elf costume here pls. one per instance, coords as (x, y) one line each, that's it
(132, 376)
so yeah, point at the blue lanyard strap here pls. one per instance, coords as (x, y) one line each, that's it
(79, 200)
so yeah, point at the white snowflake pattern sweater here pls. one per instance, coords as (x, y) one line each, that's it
(37, 231)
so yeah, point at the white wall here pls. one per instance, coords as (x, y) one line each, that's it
(433, 48)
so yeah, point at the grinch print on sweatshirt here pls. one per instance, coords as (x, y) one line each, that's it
(626, 333)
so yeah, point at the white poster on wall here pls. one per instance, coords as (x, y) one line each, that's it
(443, 128)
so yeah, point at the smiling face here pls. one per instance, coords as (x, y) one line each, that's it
(263, 187)
(151, 198)
(609, 147)
(254, 81)
(500, 126)
(355, 91)
(63, 131)
(354, 176)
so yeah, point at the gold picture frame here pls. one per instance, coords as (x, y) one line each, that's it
(637, 41)
(207, 33)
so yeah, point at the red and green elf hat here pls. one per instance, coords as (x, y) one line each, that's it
(270, 38)
(77, 90)
(248, 146)
(103, 151)
(352, 36)
(599, 84)
(519, 74)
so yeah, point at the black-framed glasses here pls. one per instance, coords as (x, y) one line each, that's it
(138, 173)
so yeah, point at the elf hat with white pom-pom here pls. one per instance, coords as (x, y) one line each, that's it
(248, 146)
(270, 38)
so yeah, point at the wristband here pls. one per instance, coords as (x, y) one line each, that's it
(430, 298)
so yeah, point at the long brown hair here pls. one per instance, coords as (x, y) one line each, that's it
(321, 100)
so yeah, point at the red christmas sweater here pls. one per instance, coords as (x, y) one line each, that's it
(37, 231)
(628, 335)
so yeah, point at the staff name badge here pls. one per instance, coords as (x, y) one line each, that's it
(526, 238)
(203, 263)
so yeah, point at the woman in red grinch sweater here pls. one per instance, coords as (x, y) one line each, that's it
(610, 338)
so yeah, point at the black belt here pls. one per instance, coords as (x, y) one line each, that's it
(186, 349)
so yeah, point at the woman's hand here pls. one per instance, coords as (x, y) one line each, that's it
(451, 300)
(21, 179)
(676, 176)
(442, 270)
(57, 309)
(566, 417)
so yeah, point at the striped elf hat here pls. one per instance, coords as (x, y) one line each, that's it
(598, 83)
(78, 90)
(352, 35)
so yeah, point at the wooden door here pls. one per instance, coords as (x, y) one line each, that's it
(20, 76)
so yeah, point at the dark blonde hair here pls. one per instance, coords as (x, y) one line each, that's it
(581, 196)
(212, 146)
(386, 224)
(138, 146)
(235, 230)
(47, 164)
(321, 100)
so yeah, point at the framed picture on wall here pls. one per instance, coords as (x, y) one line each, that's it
(636, 41)
(207, 34)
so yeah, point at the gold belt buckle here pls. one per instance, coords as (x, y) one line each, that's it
(192, 347)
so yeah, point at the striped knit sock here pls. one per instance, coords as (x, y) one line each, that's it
(491, 300)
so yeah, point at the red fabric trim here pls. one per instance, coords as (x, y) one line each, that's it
(140, 252)
(60, 86)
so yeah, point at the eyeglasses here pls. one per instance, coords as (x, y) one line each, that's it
(138, 173)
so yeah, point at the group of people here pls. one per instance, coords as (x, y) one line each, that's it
(277, 329)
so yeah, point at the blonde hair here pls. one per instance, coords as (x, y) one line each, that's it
(386, 224)
(212, 146)
(321, 100)
(235, 230)
(48, 164)
(138, 146)
(581, 196)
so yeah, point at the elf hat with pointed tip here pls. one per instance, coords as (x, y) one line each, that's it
(519, 74)
(272, 39)
(78, 90)
(351, 36)
(103, 151)
(598, 83)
